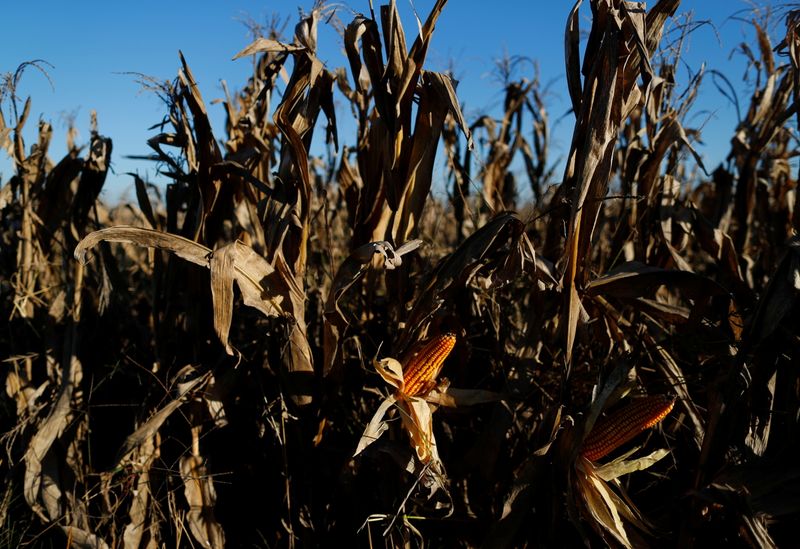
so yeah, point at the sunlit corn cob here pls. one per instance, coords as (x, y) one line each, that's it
(422, 369)
(615, 430)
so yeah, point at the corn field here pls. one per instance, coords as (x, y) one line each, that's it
(286, 349)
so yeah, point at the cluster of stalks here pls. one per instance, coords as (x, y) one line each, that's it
(288, 349)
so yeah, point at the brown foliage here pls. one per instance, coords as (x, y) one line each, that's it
(145, 407)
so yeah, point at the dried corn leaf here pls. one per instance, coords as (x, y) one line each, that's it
(417, 418)
(82, 539)
(138, 514)
(271, 291)
(222, 273)
(46, 435)
(634, 280)
(600, 504)
(437, 99)
(182, 247)
(266, 45)
(298, 360)
(144, 201)
(621, 467)
(572, 39)
(416, 58)
(203, 141)
(145, 432)
(377, 425)
(198, 488)
(390, 370)
(456, 398)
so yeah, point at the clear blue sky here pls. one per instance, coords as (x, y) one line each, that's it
(92, 45)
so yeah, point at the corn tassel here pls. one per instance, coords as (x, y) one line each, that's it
(423, 367)
(618, 428)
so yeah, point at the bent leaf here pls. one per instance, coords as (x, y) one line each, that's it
(260, 285)
(376, 426)
(618, 468)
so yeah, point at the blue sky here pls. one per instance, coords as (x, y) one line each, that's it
(93, 47)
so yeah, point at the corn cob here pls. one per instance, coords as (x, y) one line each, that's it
(618, 428)
(423, 367)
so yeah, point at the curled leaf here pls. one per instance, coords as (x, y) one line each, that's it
(376, 426)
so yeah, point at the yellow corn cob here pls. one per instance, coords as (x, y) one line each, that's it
(615, 430)
(423, 367)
